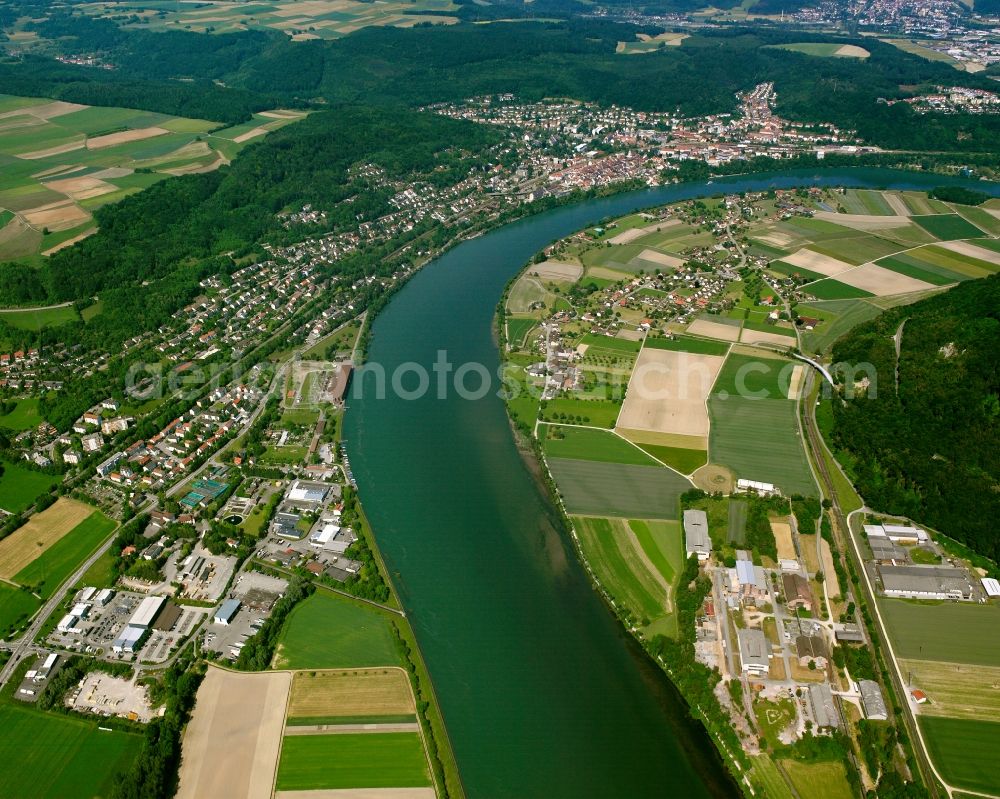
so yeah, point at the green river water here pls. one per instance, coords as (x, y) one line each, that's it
(543, 693)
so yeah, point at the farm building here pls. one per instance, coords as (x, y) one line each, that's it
(796, 590)
(339, 388)
(696, 539)
(824, 709)
(745, 486)
(227, 610)
(849, 633)
(754, 651)
(926, 582)
(871, 698)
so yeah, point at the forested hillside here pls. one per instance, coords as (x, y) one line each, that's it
(574, 58)
(931, 450)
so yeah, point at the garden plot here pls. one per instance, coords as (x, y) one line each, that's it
(668, 391)
(881, 282)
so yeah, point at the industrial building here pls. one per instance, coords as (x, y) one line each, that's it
(899, 533)
(131, 637)
(926, 582)
(755, 652)
(991, 586)
(226, 612)
(871, 698)
(696, 538)
(306, 491)
(824, 708)
(811, 648)
(756, 487)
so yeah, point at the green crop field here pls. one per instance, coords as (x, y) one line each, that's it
(620, 345)
(754, 376)
(613, 552)
(830, 289)
(980, 218)
(586, 444)
(663, 543)
(352, 760)
(15, 606)
(931, 256)
(683, 460)
(618, 489)
(948, 226)
(921, 270)
(759, 440)
(857, 250)
(698, 346)
(600, 413)
(765, 776)
(328, 632)
(48, 756)
(965, 751)
(99, 575)
(788, 270)
(62, 558)
(819, 780)
(20, 487)
(517, 329)
(953, 632)
(24, 416)
(737, 528)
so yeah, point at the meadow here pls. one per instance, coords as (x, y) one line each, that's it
(697, 346)
(587, 444)
(614, 553)
(682, 459)
(52, 756)
(965, 751)
(948, 226)
(754, 376)
(328, 632)
(15, 606)
(597, 412)
(20, 486)
(951, 632)
(58, 562)
(956, 690)
(24, 416)
(837, 317)
(616, 489)
(822, 780)
(517, 329)
(31, 319)
(352, 760)
(759, 440)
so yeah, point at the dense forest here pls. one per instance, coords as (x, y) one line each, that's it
(931, 449)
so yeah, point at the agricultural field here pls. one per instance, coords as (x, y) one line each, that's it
(588, 444)
(16, 606)
(956, 690)
(20, 487)
(634, 563)
(231, 745)
(43, 532)
(819, 780)
(370, 696)
(616, 489)
(757, 377)
(696, 346)
(837, 318)
(59, 762)
(964, 751)
(645, 43)
(952, 632)
(826, 49)
(327, 631)
(352, 760)
(299, 19)
(596, 412)
(62, 160)
(60, 560)
(948, 226)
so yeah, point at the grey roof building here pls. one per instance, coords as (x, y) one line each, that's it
(824, 709)
(226, 611)
(696, 538)
(926, 582)
(871, 698)
(755, 651)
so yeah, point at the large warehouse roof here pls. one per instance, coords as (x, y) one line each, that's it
(147, 611)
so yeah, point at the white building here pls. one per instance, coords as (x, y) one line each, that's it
(696, 538)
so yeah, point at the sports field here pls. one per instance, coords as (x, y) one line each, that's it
(759, 440)
(351, 695)
(41, 533)
(328, 632)
(624, 568)
(964, 751)
(61, 559)
(63, 160)
(51, 756)
(231, 744)
(616, 489)
(360, 760)
(588, 444)
(953, 632)
(20, 487)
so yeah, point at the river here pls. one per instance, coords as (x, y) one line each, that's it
(543, 692)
